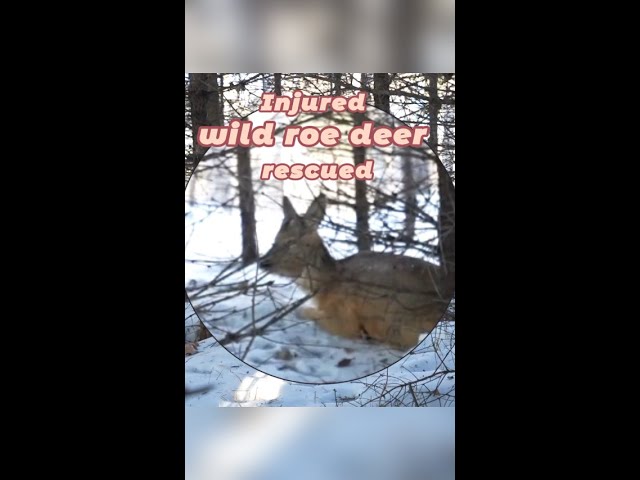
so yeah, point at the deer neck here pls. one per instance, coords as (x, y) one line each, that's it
(319, 271)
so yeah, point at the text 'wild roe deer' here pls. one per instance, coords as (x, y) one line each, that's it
(389, 298)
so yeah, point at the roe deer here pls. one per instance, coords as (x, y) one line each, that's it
(389, 298)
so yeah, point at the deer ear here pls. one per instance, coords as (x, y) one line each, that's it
(316, 210)
(287, 208)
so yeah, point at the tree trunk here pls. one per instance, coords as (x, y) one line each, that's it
(364, 83)
(205, 102)
(410, 196)
(337, 87)
(247, 207)
(434, 109)
(447, 215)
(277, 80)
(363, 236)
(206, 109)
(381, 83)
(220, 100)
(447, 227)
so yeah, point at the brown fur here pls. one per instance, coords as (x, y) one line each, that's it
(390, 298)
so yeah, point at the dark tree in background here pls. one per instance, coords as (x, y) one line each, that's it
(247, 206)
(206, 108)
(381, 83)
(446, 220)
(361, 202)
(277, 81)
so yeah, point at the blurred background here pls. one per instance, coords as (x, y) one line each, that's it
(320, 444)
(306, 35)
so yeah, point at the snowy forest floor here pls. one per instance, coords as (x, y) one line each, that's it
(424, 377)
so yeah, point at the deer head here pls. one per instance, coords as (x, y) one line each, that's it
(298, 249)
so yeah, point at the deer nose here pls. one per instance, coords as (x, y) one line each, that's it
(265, 262)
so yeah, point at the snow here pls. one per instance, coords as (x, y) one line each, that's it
(229, 382)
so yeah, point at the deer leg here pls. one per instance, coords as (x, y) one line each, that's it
(332, 323)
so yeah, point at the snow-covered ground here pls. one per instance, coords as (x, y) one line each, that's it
(220, 379)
